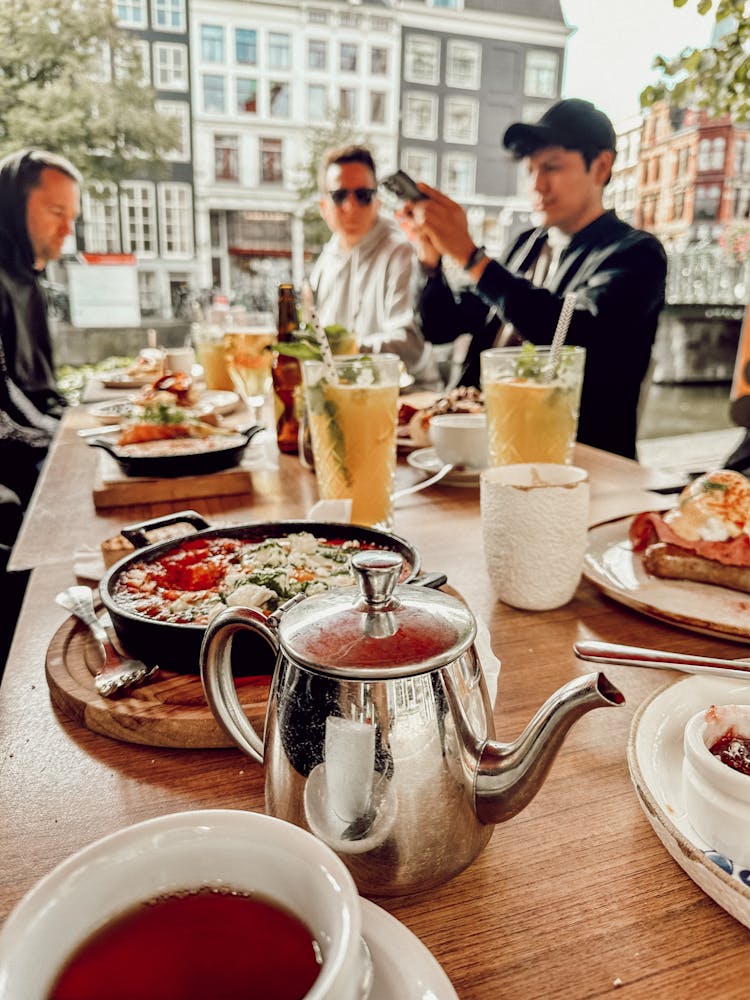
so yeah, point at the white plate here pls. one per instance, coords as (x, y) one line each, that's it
(111, 411)
(612, 566)
(404, 968)
(123, 380)
(655, 755)
(220, 400)
(426, 460)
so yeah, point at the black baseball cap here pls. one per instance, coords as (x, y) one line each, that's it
(572, 124)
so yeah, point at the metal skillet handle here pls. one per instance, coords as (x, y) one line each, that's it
(217, 677)
(137, 534)
(636, 656)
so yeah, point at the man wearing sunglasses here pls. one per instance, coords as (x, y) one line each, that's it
(362, 279)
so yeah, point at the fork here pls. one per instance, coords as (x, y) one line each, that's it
(116, 672)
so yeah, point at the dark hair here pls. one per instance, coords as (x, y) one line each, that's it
(34, 161)
(344, 154)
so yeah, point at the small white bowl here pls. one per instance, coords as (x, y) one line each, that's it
(460, 439)
(717, 797)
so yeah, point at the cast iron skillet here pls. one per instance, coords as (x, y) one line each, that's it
(187, 464)
(177, 646)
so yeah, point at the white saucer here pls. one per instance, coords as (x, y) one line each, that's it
(404, 968)
(220, 400)
(426, 460)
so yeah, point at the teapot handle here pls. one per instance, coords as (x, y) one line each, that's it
(218, 680)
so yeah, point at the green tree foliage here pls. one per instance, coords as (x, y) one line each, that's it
(716, 78)
(340, 132)
(71, 82)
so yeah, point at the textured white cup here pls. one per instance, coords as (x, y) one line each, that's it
(534, 525)
(179, 359)
(460, 439)
(222, 848)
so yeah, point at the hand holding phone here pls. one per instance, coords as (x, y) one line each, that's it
(404, 188)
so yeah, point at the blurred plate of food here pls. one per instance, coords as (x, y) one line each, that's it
(416, 410)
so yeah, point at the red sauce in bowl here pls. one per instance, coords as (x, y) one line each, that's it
(734, 751)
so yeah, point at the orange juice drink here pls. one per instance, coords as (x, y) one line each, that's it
(532, 412)
(353, 426)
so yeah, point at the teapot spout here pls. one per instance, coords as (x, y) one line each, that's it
(509, 775)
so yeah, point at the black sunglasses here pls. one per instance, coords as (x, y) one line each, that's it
(364, 196)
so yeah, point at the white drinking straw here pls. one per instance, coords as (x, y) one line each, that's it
(561, 332)
(325, 347)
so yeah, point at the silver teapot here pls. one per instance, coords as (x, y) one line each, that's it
(379, 734)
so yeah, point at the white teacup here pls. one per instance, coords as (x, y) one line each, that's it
(534, 526)
(221, 848)
(460, 439)
(179, 359)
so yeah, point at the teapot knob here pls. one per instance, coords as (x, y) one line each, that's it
(377, 574)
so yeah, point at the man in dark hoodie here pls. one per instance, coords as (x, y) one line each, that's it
(39, 203)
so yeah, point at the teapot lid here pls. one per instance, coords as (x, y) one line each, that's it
(380, 631)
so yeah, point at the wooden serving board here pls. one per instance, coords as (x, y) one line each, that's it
(169, 710)
(114, 489)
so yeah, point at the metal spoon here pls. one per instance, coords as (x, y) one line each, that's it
(637, 656)
(417, 487)
(116, 672)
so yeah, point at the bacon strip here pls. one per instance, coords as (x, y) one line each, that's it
(651, 527)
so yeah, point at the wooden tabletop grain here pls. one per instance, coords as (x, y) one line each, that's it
(573, 898)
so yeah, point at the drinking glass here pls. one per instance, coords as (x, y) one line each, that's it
(353, 427)
(249, 358)
(208, 340)
(532, 411)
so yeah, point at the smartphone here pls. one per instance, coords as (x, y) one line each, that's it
(403, 187)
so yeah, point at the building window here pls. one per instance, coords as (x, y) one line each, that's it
(463, 65)
(420, 116)
(461, 120)
(377, 107)
(279, 99)
(101, 227)
(678, 206)
(278, 51)
(317, 54)
(454, 4)
(718, 152)
(168, 15)
(170, 66)
(378, 60)
(704, 154)
(380, 23)
(212, 43)
(349, 20)
(131, 13)
(271, 170)
(226, 158)
(540, 79)
(317, 102)
(741, 203)
(121, 64)
(420, 164)
(181, 111)
(742, 155)
(247, 95)
(348, 57)
(459, 173)
(422, 59)
(246, 46)
(176, 220)
(317, 16)
(138, 217)
(213, 93)
(348, 104)
(707, 198)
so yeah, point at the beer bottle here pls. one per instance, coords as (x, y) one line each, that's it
(287, 376)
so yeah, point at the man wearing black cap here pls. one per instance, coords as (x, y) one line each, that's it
(617, 272)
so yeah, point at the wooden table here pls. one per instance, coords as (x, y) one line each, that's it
(572, 897)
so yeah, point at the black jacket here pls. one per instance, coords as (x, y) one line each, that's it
(23, 313)
(618, 273)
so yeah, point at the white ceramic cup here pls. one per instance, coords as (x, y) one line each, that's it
(221, 848)
(460, 439)
(534, 525)
(179, 359)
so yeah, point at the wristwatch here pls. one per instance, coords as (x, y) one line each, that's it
(474, 257)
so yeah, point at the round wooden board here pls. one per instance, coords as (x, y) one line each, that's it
(169, 710)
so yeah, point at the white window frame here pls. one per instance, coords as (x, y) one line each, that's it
(175, 77)
(139, 18)
(101, 219)
(220, 41)
(414, 74)
(312, 113)
(253, 31)
(420, 163)
(540, 80)
(346, 46)
(380, 48)
(317, 42)
(141, 46)
(170, 7)
(474, 53)
(232, 143)
(288, 112)
(245, 79)
(704, 154)
(317, 16)
(176, 213)
(410, 128)
(461, 106)
(142, 196)
(455, 190)
(274, 140)
(382, 94)
(354, 91)
(181, 111)
(211, 110)
(272, 47)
